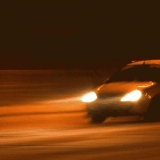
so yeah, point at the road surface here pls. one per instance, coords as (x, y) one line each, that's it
(57, 128)
(39, 131)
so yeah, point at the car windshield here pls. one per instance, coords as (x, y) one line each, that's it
(137, 73)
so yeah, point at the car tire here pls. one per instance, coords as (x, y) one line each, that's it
(153, 113)
(97, 118)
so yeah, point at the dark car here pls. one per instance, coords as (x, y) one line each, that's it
(133, 90)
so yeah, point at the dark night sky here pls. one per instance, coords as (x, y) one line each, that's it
(77, 34)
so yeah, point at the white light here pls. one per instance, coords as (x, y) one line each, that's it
(89, 97)
(132, 96)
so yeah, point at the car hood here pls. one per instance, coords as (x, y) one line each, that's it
(122, 87)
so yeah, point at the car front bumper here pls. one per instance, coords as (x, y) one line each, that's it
(114, 107)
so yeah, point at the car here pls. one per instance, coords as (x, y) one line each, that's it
(132, 90)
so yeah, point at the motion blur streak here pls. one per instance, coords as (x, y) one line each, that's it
(112, 140)
(39, 124)
(65, 100)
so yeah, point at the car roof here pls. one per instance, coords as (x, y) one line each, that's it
(146, 62)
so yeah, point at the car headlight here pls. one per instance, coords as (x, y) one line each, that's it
(89, 97)
(132, 96)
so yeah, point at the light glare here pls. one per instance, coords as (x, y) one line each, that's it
(89, 97)
(132, 96)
